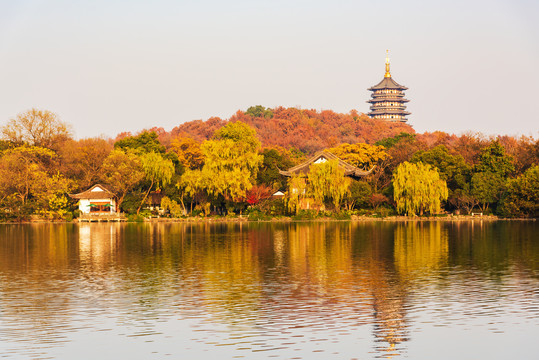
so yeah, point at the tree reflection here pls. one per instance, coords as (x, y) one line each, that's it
(319, 280)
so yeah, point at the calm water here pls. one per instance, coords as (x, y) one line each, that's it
(289, 291)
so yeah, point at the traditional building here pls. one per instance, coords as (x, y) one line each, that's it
(97, 200)
(388, 102)
(302, 170)
(321, 157)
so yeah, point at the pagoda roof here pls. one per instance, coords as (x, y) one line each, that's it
(387, 83)
(322, 156)
(96, 192)
(389, 111)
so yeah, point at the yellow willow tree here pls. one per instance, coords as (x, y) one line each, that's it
(417, 188)
(296, 192)
(327, 182)
(158, 171)
(231, 164)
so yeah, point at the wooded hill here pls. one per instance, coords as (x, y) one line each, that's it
(305, 130)
(232, 165)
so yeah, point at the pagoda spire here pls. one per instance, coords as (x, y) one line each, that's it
(388, 74)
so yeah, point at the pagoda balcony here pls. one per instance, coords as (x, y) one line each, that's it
(388, 108)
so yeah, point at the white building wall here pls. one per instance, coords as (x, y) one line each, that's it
(84, 205)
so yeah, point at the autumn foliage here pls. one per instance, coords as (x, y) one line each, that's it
(227, 166)
(306, 130)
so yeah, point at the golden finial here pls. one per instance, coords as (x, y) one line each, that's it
(388, 74)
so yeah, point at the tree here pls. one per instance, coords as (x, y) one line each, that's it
(36, 127)
(400, 148)
(258, 193)
(145, 142)
(122, 171)
(417, 188)
(452, 168)
(189, 152)
(175, 209)
(494, 160)
(522, 196)
(360, 154)
(259, 111)
(376, 200)
(239, 133)
(392, 141)
(51, 198)
(297, 187)
(486, 188)
(230, 168)
(463, 199)
(274, 159)
(231, 164)
(22, 170)
(326, 181)
(25, 177)
(157, 170)
(82, 160)
(358, 195)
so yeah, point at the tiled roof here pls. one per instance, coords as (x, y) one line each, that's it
(303, 168)
(388, 83)
(92, 194)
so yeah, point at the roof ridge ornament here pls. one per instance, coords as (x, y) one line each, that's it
(388, 74)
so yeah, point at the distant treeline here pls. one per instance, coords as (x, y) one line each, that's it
(227, 167)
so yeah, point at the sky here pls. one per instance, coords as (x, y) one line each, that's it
(112, 66)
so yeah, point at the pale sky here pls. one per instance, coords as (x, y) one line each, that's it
(112, 66)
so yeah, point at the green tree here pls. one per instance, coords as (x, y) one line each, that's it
(273, 160)
(359, 194)
(522, 196)
(487, 188)
(452, 168)
(494, 160)
(390, 142)
(327, 182)
(123, 172)
(145, 142)
(259, 111)
(417, 188)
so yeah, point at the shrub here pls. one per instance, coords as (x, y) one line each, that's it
(135, 218)
(305, 215)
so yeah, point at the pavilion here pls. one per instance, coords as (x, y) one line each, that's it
(97, 200)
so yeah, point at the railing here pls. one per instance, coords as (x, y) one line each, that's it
(102, 217)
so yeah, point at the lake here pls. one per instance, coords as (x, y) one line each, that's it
(306, 290)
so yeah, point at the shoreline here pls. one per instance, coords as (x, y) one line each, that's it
(244, 219)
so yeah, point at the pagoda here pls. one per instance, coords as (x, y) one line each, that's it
(388, 102)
